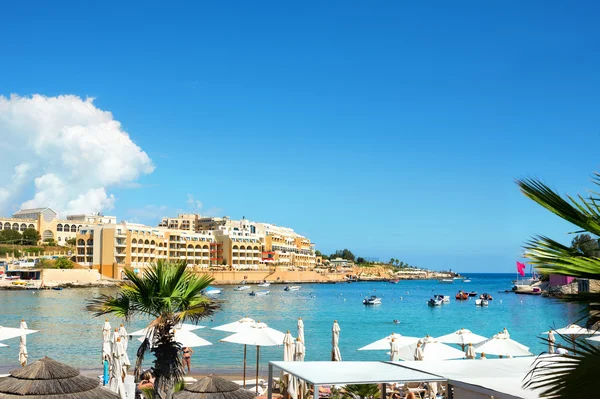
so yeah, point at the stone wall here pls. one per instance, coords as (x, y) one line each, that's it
(70, 275)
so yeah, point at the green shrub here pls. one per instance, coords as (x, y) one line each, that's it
(63, 263)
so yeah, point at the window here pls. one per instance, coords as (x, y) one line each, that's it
(59, 227)
(59, 239)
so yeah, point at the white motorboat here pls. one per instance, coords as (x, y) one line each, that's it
(260, 293)
(372, 300)
(447, 281)
(292, 288)
(242, 288)
(443, 298)
(212, 291)
(481, 302)
(264, 284)
(467, 280)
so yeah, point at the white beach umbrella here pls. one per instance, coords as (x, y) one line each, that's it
(299, 351)
(186, 339)
(237, 326)
(288, 347)
(258, 334)
(118, 369)
(551, 341)
(124, 337)
(573, 330)
(296, 387)
(384, 343)
(501, 345)
(182, 327)
(430, 349)
(23, 345)
(301, 329)
(336, 356)
(10, 332)
(394, 350)
(461, 337)
(288, 353)
(470, 352)
(106, 343)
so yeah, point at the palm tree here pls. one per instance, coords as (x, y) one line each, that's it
(361, 391)
(567, 378)
(169, 294)
(392, 260)
(397, 262)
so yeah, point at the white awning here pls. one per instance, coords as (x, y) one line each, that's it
(337, 373)
(500, 378)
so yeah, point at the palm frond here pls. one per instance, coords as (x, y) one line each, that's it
(552, 257)
(579, 212)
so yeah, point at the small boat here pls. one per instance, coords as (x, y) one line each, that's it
(434, 302)
(260, 293)
(394, 281)
(481, 302)
(443, 298)
(462, 296)
(57, 288)
(212, 291)
(459, 278)
(292, 288)
(373, 300)
(264, 284)
(466, 280)
(242, 288)
(486, 296)
(473, 293)
(447, 281)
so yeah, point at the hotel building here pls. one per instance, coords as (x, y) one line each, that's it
(50, 227)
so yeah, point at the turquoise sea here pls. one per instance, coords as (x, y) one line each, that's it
(69, 334)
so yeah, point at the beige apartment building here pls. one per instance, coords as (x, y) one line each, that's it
(50, 227)
(278, 245)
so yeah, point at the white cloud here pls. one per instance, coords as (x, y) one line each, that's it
(69, 149)
(193, 203)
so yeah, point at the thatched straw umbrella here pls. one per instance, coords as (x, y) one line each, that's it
(48, 378)
(212, 387)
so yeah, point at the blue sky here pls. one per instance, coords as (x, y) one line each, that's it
(392, 129)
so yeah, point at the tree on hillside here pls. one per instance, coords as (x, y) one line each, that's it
(322, 255)
(10, 237)
(168, 294)
(360, 260)
(344, 254)
(564, 379)
(585, 244)
(31, 236)
(392, 260)
(397, 262)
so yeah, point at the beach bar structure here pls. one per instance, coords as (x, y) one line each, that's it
(466, 379)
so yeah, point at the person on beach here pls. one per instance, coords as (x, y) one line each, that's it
(147, 381)
(187, 357)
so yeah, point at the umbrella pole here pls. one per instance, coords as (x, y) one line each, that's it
(257, 357)
(244, 366)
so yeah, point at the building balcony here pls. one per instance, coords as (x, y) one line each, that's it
(120, 244)
(216, 258)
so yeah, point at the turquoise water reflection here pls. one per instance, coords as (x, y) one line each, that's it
(70, 334)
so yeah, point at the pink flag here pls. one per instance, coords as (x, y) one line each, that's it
(521, 268)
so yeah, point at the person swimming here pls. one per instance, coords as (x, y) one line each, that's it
(396, 321)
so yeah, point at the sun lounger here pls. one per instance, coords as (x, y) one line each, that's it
(416, 388)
